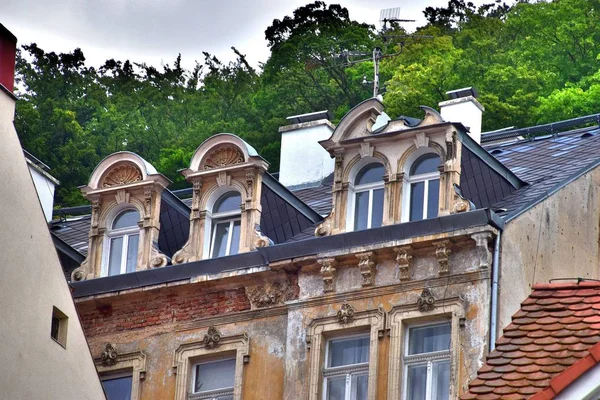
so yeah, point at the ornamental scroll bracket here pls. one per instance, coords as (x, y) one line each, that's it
(109, 355)
(328, 272)
(442, 254)
(345, 315)
(366, 264)
(212, 338)
(426, 301)
(404, 259)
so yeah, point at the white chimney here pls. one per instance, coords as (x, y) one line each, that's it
(303, 160)
(44, 183)
(463, 107)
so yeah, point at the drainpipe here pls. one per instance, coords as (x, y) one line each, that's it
(494, 305)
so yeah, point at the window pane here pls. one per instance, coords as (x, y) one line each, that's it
(215, 375)
(360, 385)
(336, 388)
(118, 388)
(235, 238)
(417, 193)
(433, 197)
(348, 351)
(425, 164)
(441, 380)
(377, 210)
(361, 209)
(370, 174)
(114, 260)
(426, 339)
(126, 219)
(132, 251)
(228, 202)
(221, 233)
(416, 382)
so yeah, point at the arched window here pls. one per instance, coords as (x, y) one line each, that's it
(123, 237)
(424, 179)
(226, 220)
(368, 197)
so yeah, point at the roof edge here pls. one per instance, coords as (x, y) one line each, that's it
(291, 198)
(566, 285)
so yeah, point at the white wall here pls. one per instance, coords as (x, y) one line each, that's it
(303, 160)
(33, 365)
(45, 190)
(466, 110)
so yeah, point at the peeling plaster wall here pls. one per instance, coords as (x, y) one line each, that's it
(557, 238)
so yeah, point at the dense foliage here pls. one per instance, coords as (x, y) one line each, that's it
(533, 62)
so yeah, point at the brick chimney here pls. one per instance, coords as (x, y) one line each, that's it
(8, 48)
(463, 107)
(303, 161)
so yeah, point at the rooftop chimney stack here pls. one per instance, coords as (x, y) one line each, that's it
(463, 107)
(304, 162)
(8, 48)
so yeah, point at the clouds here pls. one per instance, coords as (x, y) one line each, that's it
(155, 31)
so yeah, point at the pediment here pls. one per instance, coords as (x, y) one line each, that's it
(357, 123)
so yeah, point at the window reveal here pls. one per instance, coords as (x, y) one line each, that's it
(346, 372)
(123, 238)
(424, 180)
(213, 380)
(368, 197)
(226, 225)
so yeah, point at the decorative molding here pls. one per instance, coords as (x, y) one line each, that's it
(121, 196)
(421, 140)
(368, 321)
(404, 259)
(270, 294)
(325, 227)
(366, 264)
(212, 338)
(119, 362)
(345, 314)
(109, 355)
(442, 254)
(223, 179)
(260, 240)
(366, 150)
(483, 252)
(188, 353)
(122, 175)
(223, 157)
(328, 271)
(157, 259)
(250, 178)
(147, 202)
(426, 301)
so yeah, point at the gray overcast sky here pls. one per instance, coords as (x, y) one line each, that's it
(155, 31)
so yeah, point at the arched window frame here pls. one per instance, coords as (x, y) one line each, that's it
(411, 179)
(126, 233)
(212, 219)
(353, 190)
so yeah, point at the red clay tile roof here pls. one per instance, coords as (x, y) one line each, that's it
(557, 325)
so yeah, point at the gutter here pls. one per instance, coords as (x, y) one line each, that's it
(494, 297)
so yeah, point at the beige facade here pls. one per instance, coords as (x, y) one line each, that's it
(33, 290)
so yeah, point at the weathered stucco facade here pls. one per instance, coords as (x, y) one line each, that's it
(557, 238)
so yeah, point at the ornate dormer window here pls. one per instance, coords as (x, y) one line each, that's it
(226, 175)
(125, 192)
(226, 225)
(424, 187)
(121, 245)
(368, 196)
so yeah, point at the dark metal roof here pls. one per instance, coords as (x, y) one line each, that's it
(318, 197)
(265, 255)
(546, 163)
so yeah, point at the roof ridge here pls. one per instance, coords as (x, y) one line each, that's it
(566, 285)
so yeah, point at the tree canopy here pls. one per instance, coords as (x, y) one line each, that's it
(532, 62)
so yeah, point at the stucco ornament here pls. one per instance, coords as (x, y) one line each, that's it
(325, 227)
(122, 175)
(426, 301)
(222, 157)
(345, 314)
(270, 294)
(404, 259)
(442, 254)
(366, 264)
(261, 240)
(109, 355)
(212, 338)
(328, 270)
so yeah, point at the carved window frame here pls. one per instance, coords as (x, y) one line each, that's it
(189, 354)
(322, 329)
(110, 234)
(133, 363)
(400, 318)
(209, 226)
(408, 179)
